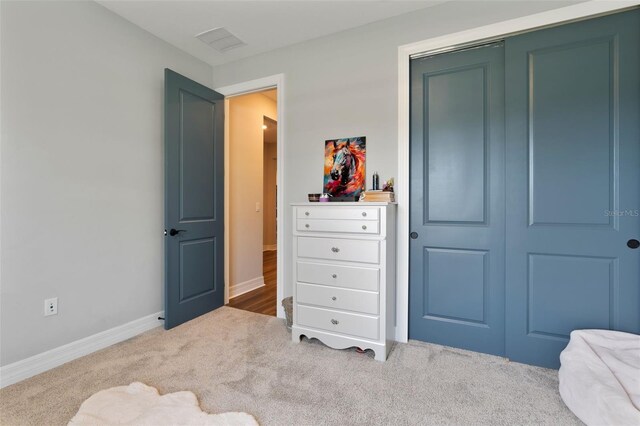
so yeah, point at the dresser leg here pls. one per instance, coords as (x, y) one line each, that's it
(380, 354)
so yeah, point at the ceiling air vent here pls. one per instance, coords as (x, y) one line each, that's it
(220, 39)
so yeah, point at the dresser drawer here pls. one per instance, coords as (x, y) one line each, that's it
(338, 322)
(338, 298)
(339, 249)
(339, 276)
(346, 226)
(325, 212)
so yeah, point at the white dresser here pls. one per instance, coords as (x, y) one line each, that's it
(344, 274)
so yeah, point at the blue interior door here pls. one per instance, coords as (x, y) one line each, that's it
(573, 184)
(194, 191)
(457, 199)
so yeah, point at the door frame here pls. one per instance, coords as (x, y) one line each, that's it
(441, 44)
(270, 82)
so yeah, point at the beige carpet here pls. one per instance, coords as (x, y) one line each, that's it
(240, 361)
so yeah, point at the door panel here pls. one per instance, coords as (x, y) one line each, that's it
(573, 184)
(556, 284)
(194, 160)
(197, 270)
(455, 190)
(197, 158)
(569, 109)
(457, 199)
(456, 284)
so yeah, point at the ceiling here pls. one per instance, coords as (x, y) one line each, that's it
(263, 25)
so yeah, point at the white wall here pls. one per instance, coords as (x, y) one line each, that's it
(246, 116)
(81, 171)
(346, 85)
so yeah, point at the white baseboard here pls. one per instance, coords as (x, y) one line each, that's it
(270, 247)
(20, 370)
(245, 287)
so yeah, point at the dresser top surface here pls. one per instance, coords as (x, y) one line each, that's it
(343, 203)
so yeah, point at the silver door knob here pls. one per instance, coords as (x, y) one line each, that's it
(306, 213)
(334, 276)
(335, 249)
(334, 321)
(364, 214)
(364, 226)
(334, 298)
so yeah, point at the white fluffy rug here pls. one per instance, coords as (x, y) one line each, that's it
(139, 404)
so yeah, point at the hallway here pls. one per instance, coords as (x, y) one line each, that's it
(263, 299)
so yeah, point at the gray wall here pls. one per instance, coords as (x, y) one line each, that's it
(82, 171)
(346, 85)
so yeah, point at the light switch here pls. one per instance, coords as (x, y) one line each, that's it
(258, 206)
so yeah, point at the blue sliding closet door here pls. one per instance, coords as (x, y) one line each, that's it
(457, 199)
(573, 184)
(525, 190)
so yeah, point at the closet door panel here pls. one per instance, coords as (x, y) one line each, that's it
(573, 184)
(457, 200)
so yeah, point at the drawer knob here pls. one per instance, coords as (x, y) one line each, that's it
(306, 213)
(334, 298)
(306, 225)
(364, 214)
(364, 226)
(335, 249)
(334, 321)
(334, 275)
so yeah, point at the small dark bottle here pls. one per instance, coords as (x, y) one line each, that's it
(376, 182)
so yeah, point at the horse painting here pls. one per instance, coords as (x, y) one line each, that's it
(344, 166)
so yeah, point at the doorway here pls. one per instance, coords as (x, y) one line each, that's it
(252, 206)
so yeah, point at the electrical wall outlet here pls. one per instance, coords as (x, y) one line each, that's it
(51, 307)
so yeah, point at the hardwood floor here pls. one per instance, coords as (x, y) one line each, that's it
(263, 299)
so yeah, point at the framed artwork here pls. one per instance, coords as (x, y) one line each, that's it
(344, 166)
